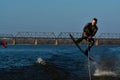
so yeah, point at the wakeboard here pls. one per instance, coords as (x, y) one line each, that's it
(78, 46)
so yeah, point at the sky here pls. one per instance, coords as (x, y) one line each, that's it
(58, 15)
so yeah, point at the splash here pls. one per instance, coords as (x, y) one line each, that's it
(99, 72)
(103, 70)
(107, 64)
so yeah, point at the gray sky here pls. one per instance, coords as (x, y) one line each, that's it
(58, 15)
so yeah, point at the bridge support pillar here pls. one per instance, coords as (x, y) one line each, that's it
(36, 41)
(56, 42)
(13, 41)
(97, 42)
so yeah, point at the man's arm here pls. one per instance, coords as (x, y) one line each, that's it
(86, 29)
(94, 31)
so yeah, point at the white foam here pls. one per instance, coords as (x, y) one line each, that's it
(104, 73)
(40, 61)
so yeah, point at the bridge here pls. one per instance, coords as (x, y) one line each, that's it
(52, 38)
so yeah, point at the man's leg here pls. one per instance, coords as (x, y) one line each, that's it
(91, 43)
(80, 39)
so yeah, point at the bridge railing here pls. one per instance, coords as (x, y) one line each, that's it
(35, 35)
(61, 35)
(6, 36)
(109, 35)
(66, 35)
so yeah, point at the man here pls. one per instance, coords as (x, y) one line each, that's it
(89, 31)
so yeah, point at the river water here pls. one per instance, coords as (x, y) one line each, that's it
(61, 62)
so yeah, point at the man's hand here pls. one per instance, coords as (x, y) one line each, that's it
(84, 34)
(90, 37)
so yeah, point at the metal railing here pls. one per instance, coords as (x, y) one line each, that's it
(53, 35)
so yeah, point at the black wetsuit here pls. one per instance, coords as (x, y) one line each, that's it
(89, 30)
